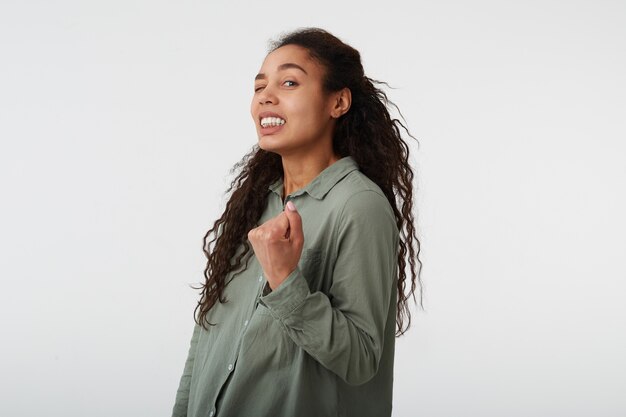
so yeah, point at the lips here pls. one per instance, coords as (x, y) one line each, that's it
(271, 129)
(270, 114)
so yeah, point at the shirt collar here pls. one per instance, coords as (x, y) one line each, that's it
(325, 180)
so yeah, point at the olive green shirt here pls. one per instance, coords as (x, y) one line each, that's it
(322, 343)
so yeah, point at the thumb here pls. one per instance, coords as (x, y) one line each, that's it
(295, 221)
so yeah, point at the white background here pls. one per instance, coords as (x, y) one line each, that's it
(119, 122)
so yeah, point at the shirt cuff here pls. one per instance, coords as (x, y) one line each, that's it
(289, 295)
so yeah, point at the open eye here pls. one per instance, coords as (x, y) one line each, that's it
(289, 81)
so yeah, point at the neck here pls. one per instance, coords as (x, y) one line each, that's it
(299, 171)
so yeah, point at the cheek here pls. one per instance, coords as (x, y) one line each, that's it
(307, 113)
(252, 111)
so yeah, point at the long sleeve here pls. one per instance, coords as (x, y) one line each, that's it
(344, 329)
(182, 395)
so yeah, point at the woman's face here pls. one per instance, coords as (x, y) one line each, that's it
(289, 87)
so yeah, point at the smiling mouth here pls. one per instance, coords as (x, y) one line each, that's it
(271, 129)
(271, 122)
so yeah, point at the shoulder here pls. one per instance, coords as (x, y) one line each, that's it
(356, 181)
(358, 187)
(357, 197)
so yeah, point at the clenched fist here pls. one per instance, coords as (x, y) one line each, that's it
(277, 244)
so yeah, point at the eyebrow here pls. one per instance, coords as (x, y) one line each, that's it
(282, 67)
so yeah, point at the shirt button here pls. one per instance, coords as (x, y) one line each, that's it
(245, 323)
(260, 278)
(211, 414)
(230, 366)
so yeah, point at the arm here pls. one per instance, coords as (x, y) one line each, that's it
(344, 330)
(182, 395)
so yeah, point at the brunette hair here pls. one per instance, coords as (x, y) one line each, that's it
(366, 132)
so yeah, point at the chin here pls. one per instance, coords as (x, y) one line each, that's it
(266, 144)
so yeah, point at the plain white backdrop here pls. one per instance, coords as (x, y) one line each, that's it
(120, 120)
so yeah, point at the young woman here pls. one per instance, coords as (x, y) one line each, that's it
(306, 281)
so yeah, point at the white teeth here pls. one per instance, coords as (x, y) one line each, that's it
(272, 121)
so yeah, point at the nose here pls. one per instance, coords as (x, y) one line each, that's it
(267, 96)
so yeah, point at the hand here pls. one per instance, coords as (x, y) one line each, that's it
(277, 244)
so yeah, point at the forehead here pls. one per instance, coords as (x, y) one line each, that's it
(290, 54)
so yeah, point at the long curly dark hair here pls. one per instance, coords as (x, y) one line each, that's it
(366, 132)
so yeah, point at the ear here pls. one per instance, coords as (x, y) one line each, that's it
(341, 103)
